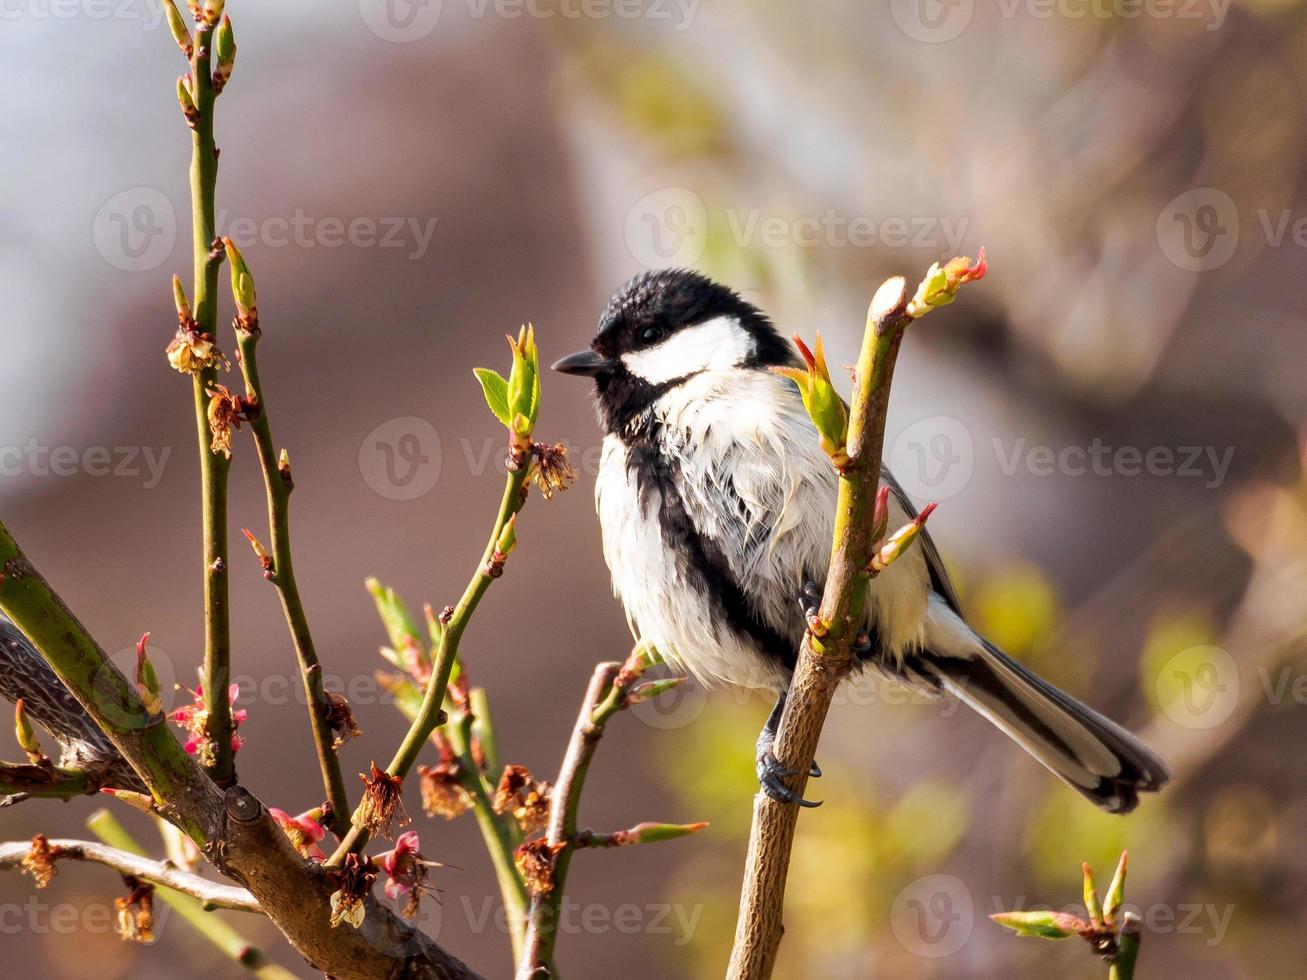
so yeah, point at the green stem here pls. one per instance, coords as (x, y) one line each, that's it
(214, 467)
(500, 832)
(279, 486)
(429, 714)
(105, 826)
(43, 781)
(178, 785)
(483, 726)
(1123, 964)
(604, 697)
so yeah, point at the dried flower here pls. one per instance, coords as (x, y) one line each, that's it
(535, 862)
(354, 883)
(550, 468)
(192, 350)
(39, 861)
(226, 413)
(194, 717)
(528, 799)
(340, 720)
(406, 872)
(135, 913)
(442, 792)
(382, 804)
(304, 831)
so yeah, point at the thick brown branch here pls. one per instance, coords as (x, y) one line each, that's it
(213, 894)
(822, 664)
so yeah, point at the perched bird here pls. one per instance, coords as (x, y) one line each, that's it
(717, 507)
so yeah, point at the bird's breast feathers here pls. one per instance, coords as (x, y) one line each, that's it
(726, 479)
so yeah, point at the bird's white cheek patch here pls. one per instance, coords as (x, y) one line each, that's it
(714, 345)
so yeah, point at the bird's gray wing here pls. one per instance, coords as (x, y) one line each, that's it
(939, 579)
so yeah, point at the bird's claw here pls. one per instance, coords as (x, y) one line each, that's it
(771, 776)
(861, 645)
(810, 600)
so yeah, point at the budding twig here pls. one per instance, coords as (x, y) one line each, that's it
(278, 564)
(825, 657)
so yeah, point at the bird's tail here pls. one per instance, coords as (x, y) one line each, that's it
(1092, 754)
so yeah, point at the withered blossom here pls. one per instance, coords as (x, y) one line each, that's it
(135, 913)
(192, 350)
(442, 792)
(383, 803)
(535, 862)
(340, 720)
(407, 872)
(525, 796)
(39, 861)
(304, 831)
(550, 469)
(354, 882)
(227, 411)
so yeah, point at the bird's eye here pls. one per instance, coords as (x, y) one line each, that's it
(651, 335)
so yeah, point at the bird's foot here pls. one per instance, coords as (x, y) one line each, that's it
(862, 645)
(810, 600)
(772, 776)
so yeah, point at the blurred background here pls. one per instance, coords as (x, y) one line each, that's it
(1113, 423)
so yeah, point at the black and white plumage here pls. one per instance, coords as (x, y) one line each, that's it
(717, 506)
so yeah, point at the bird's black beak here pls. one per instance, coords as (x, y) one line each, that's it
(585, 363)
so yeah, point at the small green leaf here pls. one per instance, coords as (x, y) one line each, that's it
(495, 388)
(1043, 924)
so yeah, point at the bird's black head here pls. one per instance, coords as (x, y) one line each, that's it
(664, 327)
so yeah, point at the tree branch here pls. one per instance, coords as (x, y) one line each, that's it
(214, 466)
(823, 662)
(279, 484)
(45, 781)
(430, 714)
(213, 894)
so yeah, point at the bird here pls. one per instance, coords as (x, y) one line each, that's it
(717, 507)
